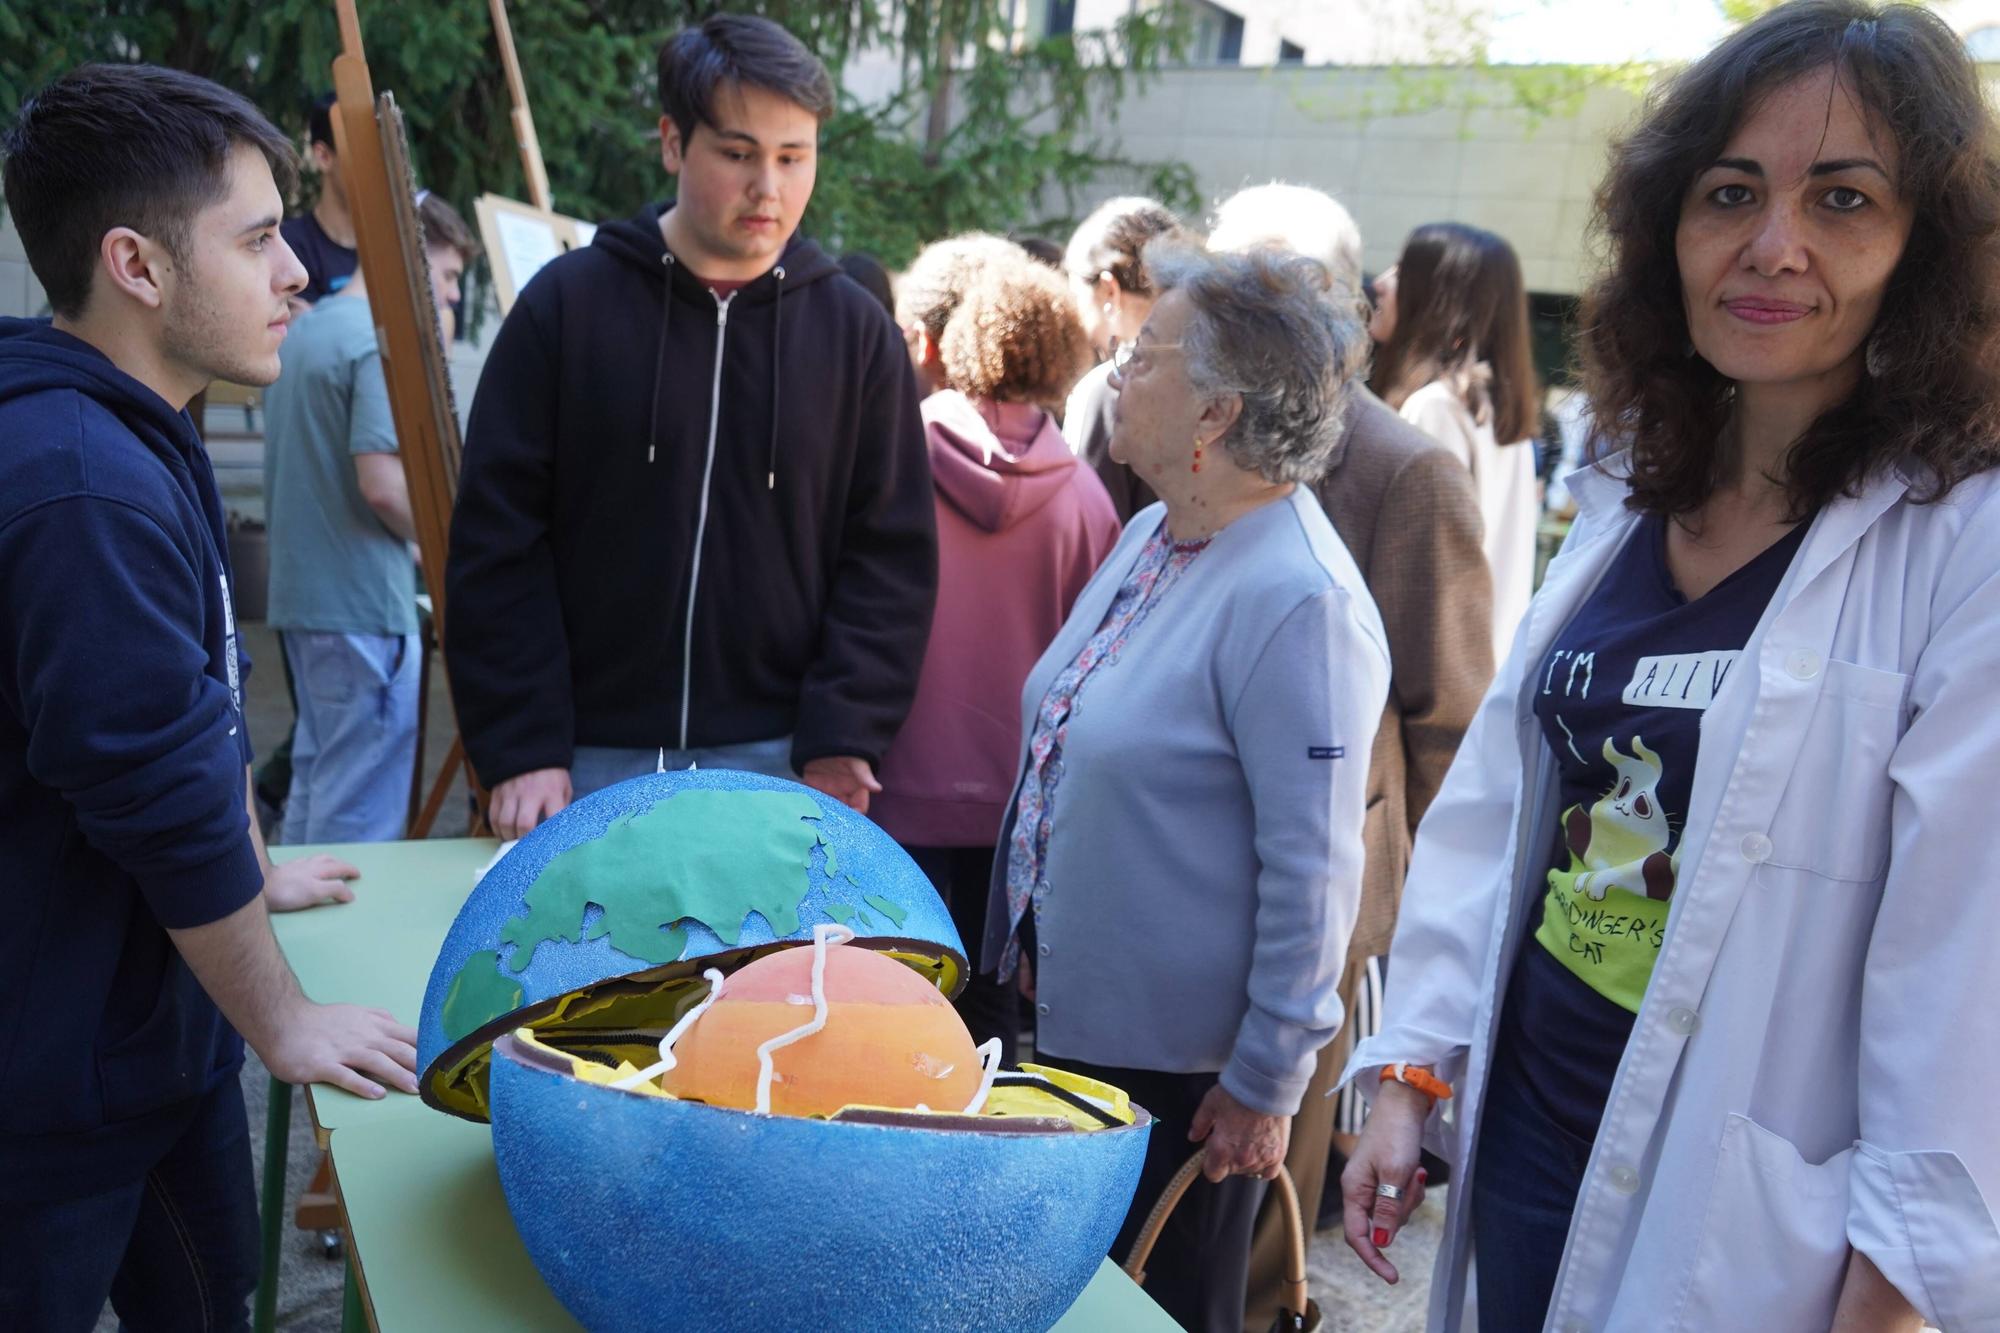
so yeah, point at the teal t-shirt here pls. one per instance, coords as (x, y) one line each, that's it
(334, 566)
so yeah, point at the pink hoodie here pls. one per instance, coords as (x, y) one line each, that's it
(1021, 528)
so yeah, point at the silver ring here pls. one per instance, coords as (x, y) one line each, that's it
(1389, 1191)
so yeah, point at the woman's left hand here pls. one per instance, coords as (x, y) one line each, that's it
(1241, 1142)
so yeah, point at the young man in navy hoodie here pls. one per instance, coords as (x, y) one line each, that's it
(136, 885)
(696, 511)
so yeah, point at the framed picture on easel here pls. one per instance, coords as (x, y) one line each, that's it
(520, 238)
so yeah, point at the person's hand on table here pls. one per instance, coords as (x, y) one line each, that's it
(1391, 1148)
(1240, 1141)
(845, 777)
(363, 1051)
(308, 881)
(524, 801)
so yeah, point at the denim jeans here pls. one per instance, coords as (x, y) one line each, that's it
(175, 1250)
(596, 767)
(1524, 1188)
(355, 742)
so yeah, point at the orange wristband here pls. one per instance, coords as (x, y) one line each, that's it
(1420, 1078)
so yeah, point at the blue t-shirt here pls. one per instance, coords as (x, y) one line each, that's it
(1620, 698)
(334, 567)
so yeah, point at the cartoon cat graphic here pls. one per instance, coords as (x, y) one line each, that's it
(1622, 840)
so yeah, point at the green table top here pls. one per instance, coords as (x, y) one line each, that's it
(430, 1233)
(378, 949)
(435, 1248)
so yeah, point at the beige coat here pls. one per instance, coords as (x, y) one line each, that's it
(1406, 509)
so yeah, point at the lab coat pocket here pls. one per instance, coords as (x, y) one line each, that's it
(1773, 1247)
(1833, 819)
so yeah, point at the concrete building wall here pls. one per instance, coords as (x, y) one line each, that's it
(20, 294)
(1351, 132)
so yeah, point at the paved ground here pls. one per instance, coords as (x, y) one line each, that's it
(309, 1288)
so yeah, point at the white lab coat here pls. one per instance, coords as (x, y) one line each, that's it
(1817, 1061)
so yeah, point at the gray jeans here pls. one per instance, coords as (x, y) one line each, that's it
(598, 766)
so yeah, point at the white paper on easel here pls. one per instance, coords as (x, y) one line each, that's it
(529, 243)
(584, 231)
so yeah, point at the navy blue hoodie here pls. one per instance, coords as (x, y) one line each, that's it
(122, 748)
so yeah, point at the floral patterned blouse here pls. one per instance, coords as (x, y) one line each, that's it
(1161, 562)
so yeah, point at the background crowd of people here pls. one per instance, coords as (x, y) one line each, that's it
(1170, 596)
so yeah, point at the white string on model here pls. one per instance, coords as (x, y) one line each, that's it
(667, 1059)
(823, 934)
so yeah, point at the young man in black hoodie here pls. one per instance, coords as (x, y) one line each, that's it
(137, 888)
(696, 508)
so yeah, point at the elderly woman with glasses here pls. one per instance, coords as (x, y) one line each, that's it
(1181, 862)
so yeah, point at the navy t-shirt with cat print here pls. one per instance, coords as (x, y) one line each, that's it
(1620, 698)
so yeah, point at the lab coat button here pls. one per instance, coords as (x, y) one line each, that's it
(1624, 1179)
(1042, 1009)
(1803, 664)
(1042, 949)
(1756, 848)
(1683, 1021)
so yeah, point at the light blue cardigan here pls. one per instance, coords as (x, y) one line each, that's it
(1204, 861)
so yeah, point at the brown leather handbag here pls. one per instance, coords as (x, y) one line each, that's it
(1296, 1311)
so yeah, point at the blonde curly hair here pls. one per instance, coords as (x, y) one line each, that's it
(1015, 336)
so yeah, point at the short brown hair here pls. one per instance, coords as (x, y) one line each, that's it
(1932, 393)
(444, 227)
(1015, 336)
(134, 146)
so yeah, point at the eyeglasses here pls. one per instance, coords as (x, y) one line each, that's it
(1127, 353)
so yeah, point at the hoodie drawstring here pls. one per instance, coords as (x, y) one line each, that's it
(777, 380)
(660, 369)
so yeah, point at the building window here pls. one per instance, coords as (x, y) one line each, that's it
(1217, 34)
(1061, 20)
(1983, 44)
(1290, 53)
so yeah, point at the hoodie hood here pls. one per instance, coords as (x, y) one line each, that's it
(637, 241)
(36, 357)
(995, 463)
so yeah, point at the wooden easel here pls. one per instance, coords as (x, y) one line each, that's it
(374, 158)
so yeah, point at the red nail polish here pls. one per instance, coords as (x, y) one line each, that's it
(1381, 1237)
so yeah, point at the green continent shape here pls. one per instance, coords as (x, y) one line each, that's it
(713, 856)
(843, 913)
(478, 995)
(886, 908)
(832, 861)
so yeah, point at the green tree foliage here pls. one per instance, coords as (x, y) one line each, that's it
(1022, 125)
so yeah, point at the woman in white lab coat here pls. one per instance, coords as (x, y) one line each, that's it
(1694, 973)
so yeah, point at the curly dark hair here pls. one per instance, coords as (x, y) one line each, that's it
(1932, 391)
(1015, 336)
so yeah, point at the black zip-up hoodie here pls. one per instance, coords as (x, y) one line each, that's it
(616, 580)
(122, 750)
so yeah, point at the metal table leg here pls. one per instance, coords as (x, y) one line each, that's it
(271, 1215)
(352, 1318)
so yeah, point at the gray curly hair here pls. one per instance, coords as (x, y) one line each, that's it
(1266, 325)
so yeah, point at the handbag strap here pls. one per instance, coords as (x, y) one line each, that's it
(1294, 1296)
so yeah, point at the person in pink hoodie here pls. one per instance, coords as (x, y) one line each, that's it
(1021, 528)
